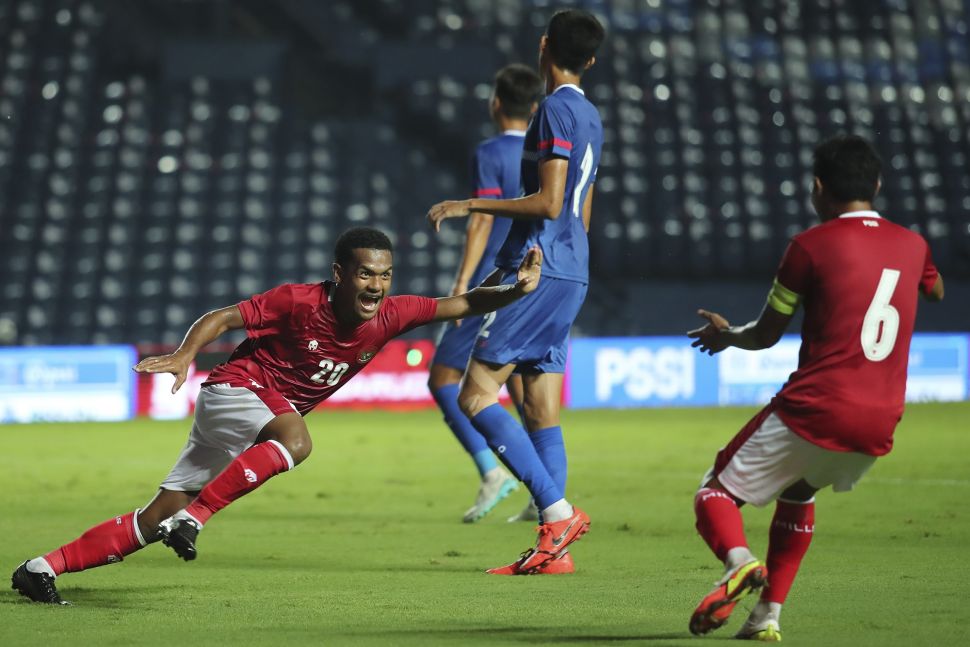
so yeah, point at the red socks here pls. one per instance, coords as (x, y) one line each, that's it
(791, 533)
(251, 469)
(110, 541)
(719, 521)
(106, 543)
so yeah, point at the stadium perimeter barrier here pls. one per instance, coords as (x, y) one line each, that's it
(96, 383)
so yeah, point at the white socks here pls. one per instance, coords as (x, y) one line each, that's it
(763, 613)
(40, 565)
(557, 511)
(182, 514)
(738, 556)
(493, 475)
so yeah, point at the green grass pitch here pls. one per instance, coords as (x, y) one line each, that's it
(363, 543)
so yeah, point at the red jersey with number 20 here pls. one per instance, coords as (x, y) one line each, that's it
(858, 276)
(297, 348)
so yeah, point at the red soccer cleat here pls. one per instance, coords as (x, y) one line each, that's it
(561, 564)
(715, 609)
(554, 537)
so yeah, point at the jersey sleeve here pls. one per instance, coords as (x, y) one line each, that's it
(265, 313)
(555, 131)
(792, 281)
(930, 273)
(413, 311)
(486, 175)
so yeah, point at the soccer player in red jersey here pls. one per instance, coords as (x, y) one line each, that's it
(857, 276)
(304, 341)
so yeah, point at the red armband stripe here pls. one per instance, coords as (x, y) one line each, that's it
(555, 142)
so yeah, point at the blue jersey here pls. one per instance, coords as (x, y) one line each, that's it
(566, 125)
(495, 174)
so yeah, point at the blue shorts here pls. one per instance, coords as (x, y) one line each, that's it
(455, 343)
(533, 332)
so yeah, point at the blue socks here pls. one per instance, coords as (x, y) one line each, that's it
(513, 445)
(467, 435)
(552, 452)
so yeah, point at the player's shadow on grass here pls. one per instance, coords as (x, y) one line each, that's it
(126, 597)
(535, 635)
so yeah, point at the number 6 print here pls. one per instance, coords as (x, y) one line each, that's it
(881, 323)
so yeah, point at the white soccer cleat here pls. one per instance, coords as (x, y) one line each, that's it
(529, 513)
(762, 624)
(496, 485)
(766, 632)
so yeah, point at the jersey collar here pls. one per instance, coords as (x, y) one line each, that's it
(568, 85)
(860, 214)
(512, 131)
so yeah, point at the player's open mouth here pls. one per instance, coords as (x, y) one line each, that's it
(369, 302)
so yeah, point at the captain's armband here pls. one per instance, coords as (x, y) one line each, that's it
(783, 300)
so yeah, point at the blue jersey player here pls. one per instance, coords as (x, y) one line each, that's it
(495, 175)
(559, 161)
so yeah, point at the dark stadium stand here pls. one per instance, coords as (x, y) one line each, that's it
(226, 152)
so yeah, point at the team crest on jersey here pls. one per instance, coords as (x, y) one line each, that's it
(313, 344)
(365, 356)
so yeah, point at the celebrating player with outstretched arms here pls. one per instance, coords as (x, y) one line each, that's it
(304, 342)
(857, 276)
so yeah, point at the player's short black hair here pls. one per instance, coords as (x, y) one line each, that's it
(517, 87)
(573, 36)
(848, 167)
(359, 238)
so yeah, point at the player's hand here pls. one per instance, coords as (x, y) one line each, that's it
(176, 364)
(530, 269)
(445, 210)
(710, 338)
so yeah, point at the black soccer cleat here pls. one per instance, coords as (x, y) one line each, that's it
(39, 587)
(180, 536)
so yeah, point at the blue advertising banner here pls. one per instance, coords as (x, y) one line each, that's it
(659, 371)
(67, 383)
(639, 372)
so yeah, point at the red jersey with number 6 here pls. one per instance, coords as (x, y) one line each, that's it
(859, 277)
(296, 347)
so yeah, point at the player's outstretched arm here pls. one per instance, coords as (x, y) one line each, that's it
(482, 300)
(718, 334)
(544, 204)
(207, 329)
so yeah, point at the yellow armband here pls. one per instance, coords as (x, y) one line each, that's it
(782, 299)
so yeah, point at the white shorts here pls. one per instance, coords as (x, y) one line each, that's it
(766, 457)
(227, 421)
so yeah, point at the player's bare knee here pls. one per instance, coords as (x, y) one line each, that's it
(539, 415)
(470, 402)
(440, 376)
(290, 431)
(299, 445)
